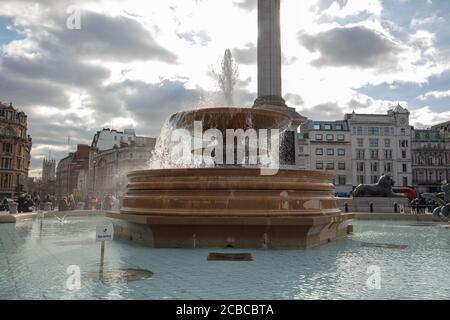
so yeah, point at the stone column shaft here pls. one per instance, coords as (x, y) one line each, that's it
(269, 53)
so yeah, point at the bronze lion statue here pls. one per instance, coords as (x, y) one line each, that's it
(382, 189)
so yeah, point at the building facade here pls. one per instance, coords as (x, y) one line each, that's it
(108, 139)
(431, 157)
(326, 145)
(68, 169)
(381, 144)
(48, 170)
(15, 148)
(108, 169)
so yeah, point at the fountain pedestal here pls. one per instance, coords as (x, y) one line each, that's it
(229, 207)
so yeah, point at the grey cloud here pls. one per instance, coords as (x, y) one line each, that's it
(111, 38)
(355, 104)
(58, 69)
(24, 92)
(247, 55)
(354, 47)
(294, 99)
(324, 111)
(201, 37)
(246, 4)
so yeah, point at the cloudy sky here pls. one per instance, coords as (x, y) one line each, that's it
(135, 62)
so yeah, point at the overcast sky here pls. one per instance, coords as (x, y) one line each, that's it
(135, 62)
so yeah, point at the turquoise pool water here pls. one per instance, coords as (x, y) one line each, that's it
(34, 260)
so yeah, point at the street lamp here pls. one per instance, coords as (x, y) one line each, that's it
(94, 163)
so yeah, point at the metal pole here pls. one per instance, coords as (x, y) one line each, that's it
(102, 260)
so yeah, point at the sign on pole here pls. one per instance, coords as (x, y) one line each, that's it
(105, 233)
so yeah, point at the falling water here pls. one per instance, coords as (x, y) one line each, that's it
(213, 118)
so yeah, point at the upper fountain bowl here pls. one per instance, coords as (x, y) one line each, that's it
(230, 118)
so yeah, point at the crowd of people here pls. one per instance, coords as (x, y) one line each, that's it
(422, 205)
(27, 203)
(33, 202)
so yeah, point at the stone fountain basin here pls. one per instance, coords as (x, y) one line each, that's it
(231, 118)
(229, 192)
(229, 207)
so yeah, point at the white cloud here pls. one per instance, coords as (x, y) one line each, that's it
(424, 117)
(434, 95)
(416, 22)
(354, 7)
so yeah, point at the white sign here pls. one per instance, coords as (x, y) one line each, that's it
(105, 232)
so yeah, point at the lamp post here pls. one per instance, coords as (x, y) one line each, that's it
(94, 163)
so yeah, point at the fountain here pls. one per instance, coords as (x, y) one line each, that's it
(192, 203)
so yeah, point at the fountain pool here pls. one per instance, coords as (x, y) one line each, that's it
(34, 260)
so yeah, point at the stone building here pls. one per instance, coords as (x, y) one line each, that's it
(15, 148)
(48, 170)
(381, 143)
(431, 157)
(326, 145)
(107, 170)
(68, 169)
(108, 139)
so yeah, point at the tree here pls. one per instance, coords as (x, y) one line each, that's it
(227, 79)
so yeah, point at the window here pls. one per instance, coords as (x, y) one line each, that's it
(340, 137)
(375, 179)
(388, 154)
(387, 143)
(374, 131)
(6, 163)
(373, 143)
(403, 154)
(319, 137)
(387, 131)
(374, 154)
(316, 126)
(374, 167)
(327, 127)
(404, 167)
(319, 152)
(404, 143)
(361, 180)
(360, 142)
(330, 166)
(342, 180)
(330, 137)
(360, 154)
(339, 127)
(387, 167)
(341, 165)
(360, 167)
(319, 165)
(5, 180)
(19, 162)
(301, 149)
(341, 152)
(403, 131)
(330, 152)
(115, 138)
(359, 131)
(7, 147)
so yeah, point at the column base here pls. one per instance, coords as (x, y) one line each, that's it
(270, 101)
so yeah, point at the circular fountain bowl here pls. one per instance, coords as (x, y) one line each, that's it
(230, 118)
(229, 192)
(229, 207)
